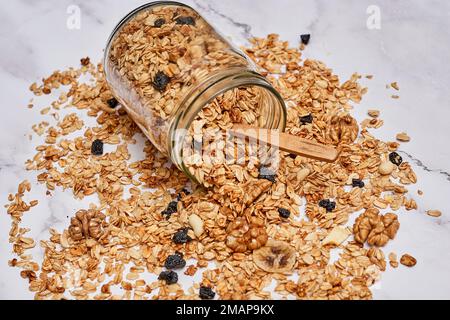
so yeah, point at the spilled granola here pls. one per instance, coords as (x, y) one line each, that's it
(231, 233)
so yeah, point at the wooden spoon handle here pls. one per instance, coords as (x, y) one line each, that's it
(289, 143)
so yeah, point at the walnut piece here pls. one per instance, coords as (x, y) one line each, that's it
(376, 256)
(85, 224)
(374, 228)
(408, 260)
(343, 129)
(243, 236)
(255, 189)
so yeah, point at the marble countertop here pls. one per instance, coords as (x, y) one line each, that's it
(410, 46)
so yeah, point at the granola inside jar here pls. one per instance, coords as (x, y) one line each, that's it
(178, 78)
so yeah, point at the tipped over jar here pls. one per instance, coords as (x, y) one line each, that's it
(171, 70)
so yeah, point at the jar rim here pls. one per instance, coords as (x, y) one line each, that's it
(190, 108)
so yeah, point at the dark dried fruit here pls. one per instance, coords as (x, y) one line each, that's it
(327, 204)
(113, 103)
(181, 236)
(170, 277)
(331, 206)
(395, 158)
(357, 183)
(182, 194)
(185, 21)
(85, 61)
(324, 203)
(171, 209)
(161, 81)
(284, 213)
(175, 261)
(206, 293)
(97, 148)
(266, 173)
(306, 119)
(305, 38)
(159, 23)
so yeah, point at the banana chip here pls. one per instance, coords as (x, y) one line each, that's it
(275, 256)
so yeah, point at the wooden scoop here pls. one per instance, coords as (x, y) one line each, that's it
(286, 142)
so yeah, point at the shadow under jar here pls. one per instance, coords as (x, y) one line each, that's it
(171, 69)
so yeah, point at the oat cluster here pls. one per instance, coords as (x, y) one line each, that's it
(146, 218)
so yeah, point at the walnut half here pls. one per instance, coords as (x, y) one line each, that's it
(342, 129)
(374, 228)
(85, 224)
(244, 235)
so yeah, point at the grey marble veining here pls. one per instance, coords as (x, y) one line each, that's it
(411, 47)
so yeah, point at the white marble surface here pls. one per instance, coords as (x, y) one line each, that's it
(412, 47)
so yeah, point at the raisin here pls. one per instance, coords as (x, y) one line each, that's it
(181, 236)
(159, 23)
(327, 204)
(175, 261)
(112, 103)
(306, 119)
(266, 173)
(357, 183)
(284, 213)
(324, 203)
(161, 81)
(171, 209)
(305, 38)
(170, 277)
(185, 21)
(395, 158)
(331, 206)
(206, 293)
(97, 148)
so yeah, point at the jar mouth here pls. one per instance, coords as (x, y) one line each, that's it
(202, 95)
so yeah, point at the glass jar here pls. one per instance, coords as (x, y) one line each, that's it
(164, 63)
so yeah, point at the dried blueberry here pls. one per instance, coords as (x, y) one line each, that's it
(324, 203)
(185, 20)
(331, 206)
(97, 148)
(305, 38)
(327, 204)
(182, 194)
(161, 81)
(159, 23)
(181, 236)
(175, 261)
(171, 208)
(170, 277)
(112, 103)
(206, 293)
(306, 119)
(357, 183)
(395, 158)
(284, 213)
(266, 173)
